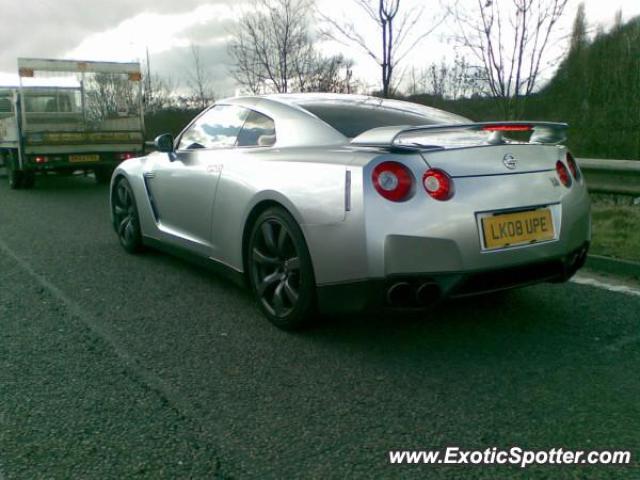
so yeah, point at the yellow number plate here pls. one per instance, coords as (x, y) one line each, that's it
(510, 229)
(84, 158)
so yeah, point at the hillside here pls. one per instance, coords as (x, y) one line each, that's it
(596, 90)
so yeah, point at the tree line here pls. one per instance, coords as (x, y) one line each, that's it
(596, 90)
(502, 53)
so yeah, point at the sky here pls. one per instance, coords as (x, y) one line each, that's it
(123, 30)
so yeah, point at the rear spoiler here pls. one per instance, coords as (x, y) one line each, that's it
(395, 137)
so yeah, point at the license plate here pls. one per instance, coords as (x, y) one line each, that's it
(84, 158)
(509, 229)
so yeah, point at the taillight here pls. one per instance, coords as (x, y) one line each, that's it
(507, 128)
(41, 159)
(392, 180)
(438, 184)
(125, 156)
(563, 174)
(573, 166)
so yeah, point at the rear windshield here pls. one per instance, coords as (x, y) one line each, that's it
(355, 117)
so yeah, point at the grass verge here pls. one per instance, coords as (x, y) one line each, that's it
(616, 230)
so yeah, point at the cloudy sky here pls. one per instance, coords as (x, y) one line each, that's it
(122, 30)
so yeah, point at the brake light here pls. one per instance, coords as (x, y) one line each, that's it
(393, 181)
(125, 156)
(563, 174)
(507, 128)
(41, 159)
(438, 184)
(573, 166)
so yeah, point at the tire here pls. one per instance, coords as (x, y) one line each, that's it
(103, 175)
(280, 270)
(15, 176)
(126, 221)
(28, 180)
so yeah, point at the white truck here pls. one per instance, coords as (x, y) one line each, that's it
(67, 116)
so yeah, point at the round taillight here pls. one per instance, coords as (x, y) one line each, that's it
(392, 180)
(438, 184)
(573, 166)
(563, 174)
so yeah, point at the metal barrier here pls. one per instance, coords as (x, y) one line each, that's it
(611, 176)
(620, 177)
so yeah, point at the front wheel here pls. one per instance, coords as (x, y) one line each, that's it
(125, 217)
(280, 270)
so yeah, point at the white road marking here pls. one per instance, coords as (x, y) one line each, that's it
(616, 286)
(582, 280)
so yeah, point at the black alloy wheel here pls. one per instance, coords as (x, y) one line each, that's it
(280, 270)
(125, 217)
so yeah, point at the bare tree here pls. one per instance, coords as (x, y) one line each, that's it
(198, 79)
(272, 48)
(450, 80)
(509, 39)
(160, 93)
(399, 34)
(329, 74)
(109, 95)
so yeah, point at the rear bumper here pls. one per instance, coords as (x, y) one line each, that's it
(421, 290)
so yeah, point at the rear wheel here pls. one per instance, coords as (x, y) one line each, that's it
(280, 270)
(125, 217)
(14, 175)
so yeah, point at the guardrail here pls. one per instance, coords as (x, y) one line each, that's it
(611, 176)
(621, 177)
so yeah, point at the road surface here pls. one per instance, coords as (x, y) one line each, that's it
(121, 366)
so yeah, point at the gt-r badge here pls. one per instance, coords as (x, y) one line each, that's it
(509, 161)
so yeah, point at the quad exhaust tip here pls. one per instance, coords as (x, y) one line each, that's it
(427, 293)
(402, 294)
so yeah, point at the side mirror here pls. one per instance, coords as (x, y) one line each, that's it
(164, 143)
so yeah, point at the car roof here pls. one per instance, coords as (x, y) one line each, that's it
(304, 128)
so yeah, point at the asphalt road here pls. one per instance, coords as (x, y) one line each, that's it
(120, 366)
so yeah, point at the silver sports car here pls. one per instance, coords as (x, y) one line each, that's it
(325, 203)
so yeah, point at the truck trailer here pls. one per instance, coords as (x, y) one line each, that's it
(67, 116)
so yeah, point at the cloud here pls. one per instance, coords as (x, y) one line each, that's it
(175, 64)
(54, 28)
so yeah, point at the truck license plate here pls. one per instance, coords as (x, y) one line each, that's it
(509, 229)
(84, 158)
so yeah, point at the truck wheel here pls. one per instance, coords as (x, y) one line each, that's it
(15, 177)
(103, 175)
(28, 179)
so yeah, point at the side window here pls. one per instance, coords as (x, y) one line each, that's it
(258, 131)
(218, 127)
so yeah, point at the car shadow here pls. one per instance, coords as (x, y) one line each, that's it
(56, 183)
(516, 323)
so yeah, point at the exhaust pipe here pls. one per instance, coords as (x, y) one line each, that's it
(399, 294)
(428, 293)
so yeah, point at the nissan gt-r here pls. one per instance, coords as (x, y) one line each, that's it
(327, 203)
